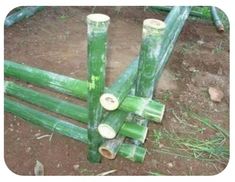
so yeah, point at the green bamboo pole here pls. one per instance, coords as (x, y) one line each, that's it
(216, 19)
(117, 92)
(152, 37)
(97, 47)
(45, 120)
(167, 42)
(74, 87)
(128, 151)
(62, 107)
(43, 78)
(21, 14)
(45, 101)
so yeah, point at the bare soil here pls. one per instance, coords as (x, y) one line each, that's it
(55, 40)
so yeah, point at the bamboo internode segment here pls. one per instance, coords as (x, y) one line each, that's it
(128, 151)
(75, 87)
(97, 27)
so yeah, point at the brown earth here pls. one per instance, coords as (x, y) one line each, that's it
(55, 40)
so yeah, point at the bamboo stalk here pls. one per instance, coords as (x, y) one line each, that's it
(97, 25)
(216, 20)
(46, 79)
(152, 36)
(45, 101)
(167, 43)
(77, 88)
(73, 131)
(21, 14)
(116, 93)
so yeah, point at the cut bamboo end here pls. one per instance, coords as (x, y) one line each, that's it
(153, 26)
(109, 101)
(99, 18)
(106, 131)
(105, 152)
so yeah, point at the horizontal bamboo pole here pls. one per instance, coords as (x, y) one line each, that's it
(48, 102)
(64, 108)
(21, 14)
(75, 88)
(116, 93)
(128, 151)
(44, 120)
(60, 83)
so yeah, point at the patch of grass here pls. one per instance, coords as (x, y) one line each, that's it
(63, 17)
(218, 49)
(166, 95)
(155, 173)
(212, 149)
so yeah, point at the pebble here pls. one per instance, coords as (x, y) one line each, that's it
(170, 164)
(28, 149)
(76, 167)
(216, 94)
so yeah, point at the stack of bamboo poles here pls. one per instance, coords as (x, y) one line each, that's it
(113, 114)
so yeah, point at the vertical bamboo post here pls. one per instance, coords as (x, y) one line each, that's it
(97, 46)
(152, 37)
(153, 31)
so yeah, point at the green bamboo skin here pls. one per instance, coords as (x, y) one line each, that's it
(21, 14)
(65, 128)
(73, 87)
(216, 19)
(97, 25)
(48, 102)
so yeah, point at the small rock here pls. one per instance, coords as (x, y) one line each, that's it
(76, 167)
(200, 42)
(28, 149)
(170, 164)
(216, 94)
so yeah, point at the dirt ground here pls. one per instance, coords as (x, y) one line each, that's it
(55, 40)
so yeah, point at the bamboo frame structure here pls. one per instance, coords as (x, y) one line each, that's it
(62, 107)
(114, 113)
